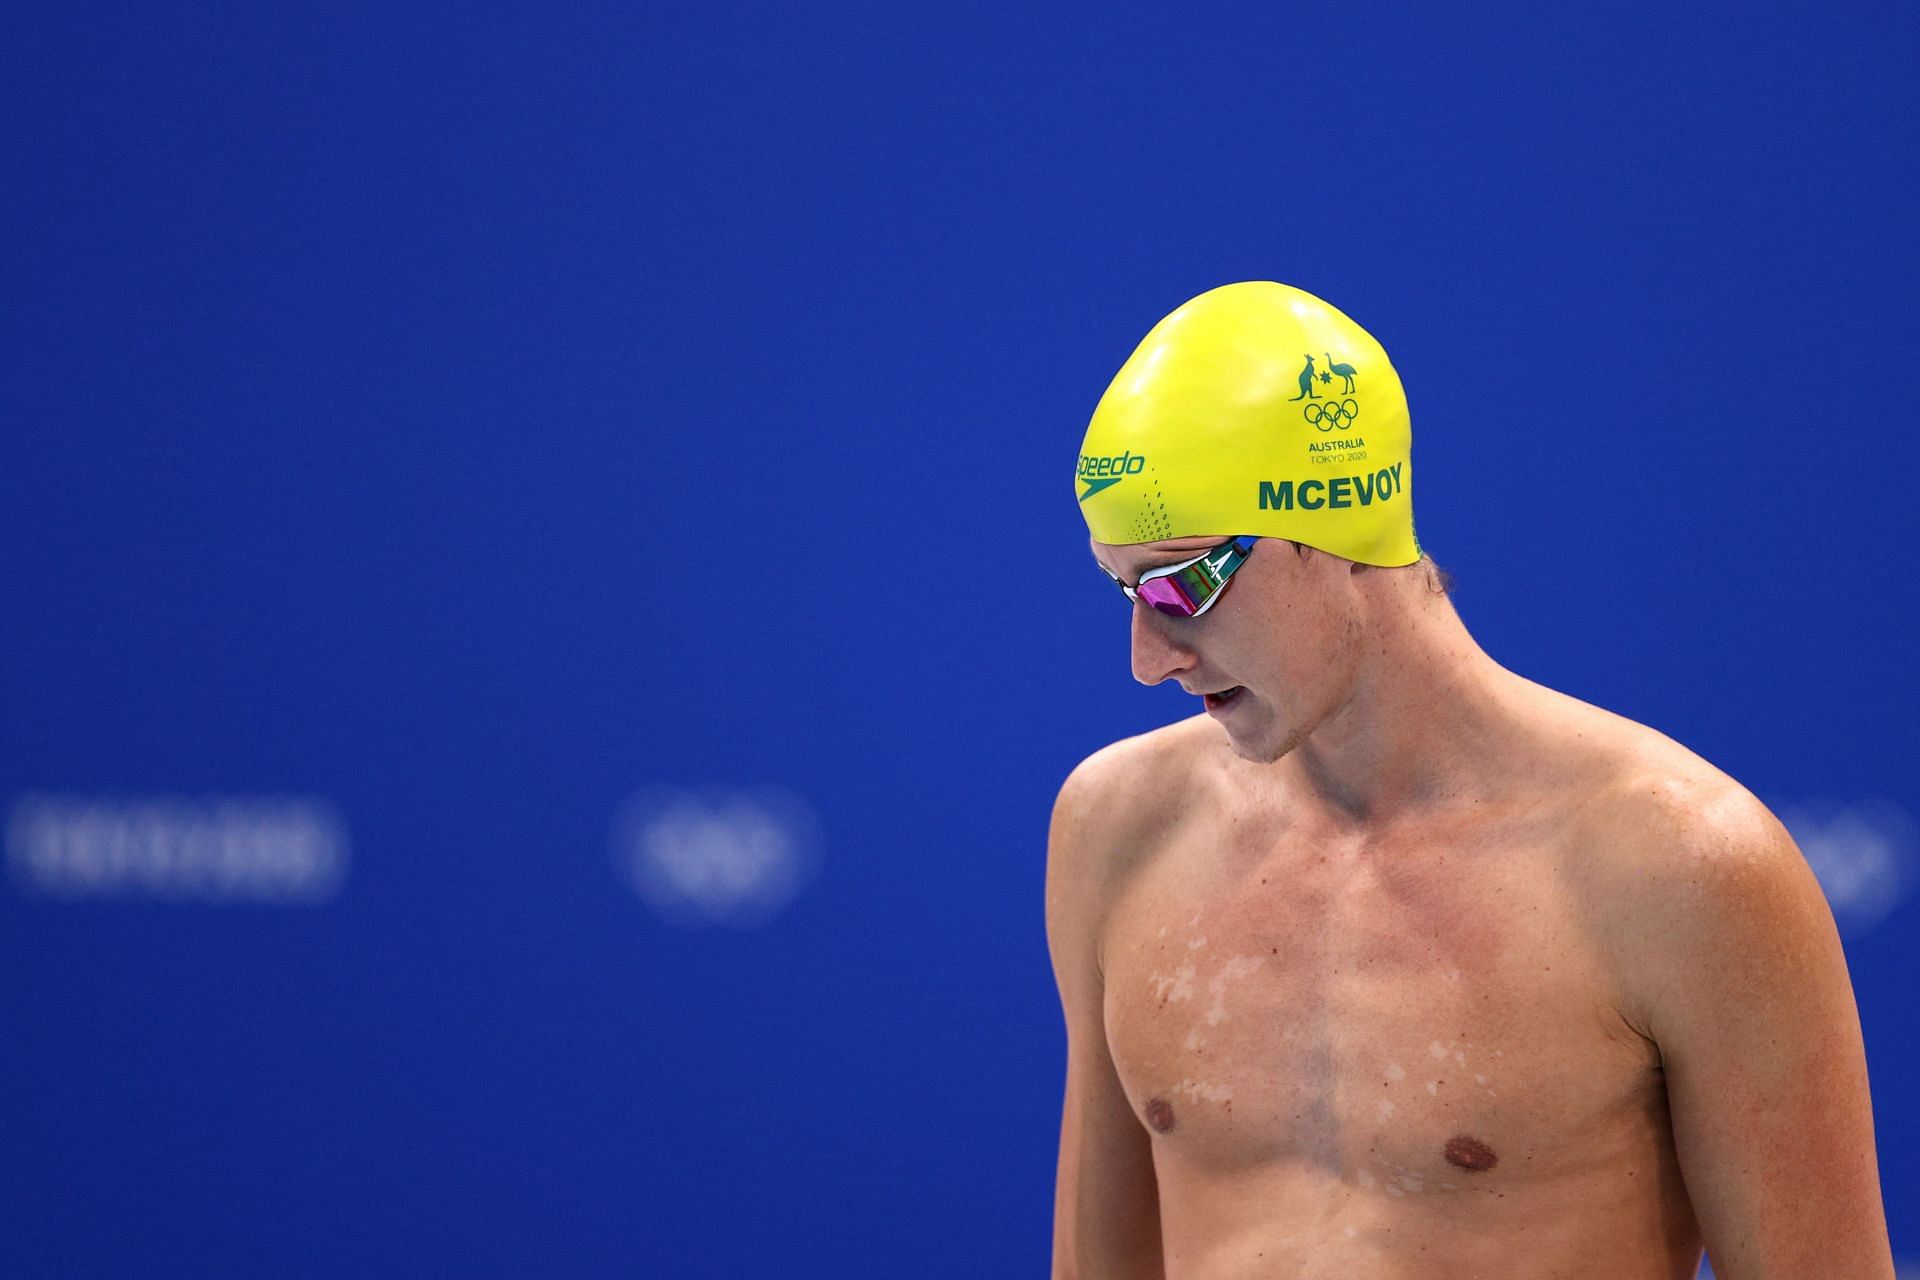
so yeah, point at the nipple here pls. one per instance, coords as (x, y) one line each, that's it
(1470, 1154)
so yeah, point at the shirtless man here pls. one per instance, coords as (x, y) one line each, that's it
(1393, 963)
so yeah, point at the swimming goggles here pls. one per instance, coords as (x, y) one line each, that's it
(1188, 589)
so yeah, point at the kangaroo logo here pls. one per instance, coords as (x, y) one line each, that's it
(1306, 381)
(1340, 411)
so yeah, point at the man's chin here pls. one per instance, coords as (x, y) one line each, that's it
(1260, 750)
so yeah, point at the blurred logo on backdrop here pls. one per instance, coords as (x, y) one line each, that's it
(274, 850)
(716, 856)
(1861, 851)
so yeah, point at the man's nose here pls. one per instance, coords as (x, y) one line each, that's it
(1156, 655)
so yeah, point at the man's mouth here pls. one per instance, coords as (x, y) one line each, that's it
(1214, 701)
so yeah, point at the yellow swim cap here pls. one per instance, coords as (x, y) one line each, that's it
(1254, 408)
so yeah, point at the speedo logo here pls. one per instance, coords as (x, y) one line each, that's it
(1342, 491)
(1105, 472)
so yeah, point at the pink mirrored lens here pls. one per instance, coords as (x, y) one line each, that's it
(1166, 595)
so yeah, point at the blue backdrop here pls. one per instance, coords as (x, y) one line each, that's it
(518, 756)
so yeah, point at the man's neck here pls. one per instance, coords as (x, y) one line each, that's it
(1432, 725)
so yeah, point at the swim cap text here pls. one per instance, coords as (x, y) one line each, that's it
(1343, 491)
(1105, 472)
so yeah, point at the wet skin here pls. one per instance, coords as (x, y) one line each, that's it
(1388, 1056)
(1362, 971)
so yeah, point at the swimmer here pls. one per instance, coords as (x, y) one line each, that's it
(1390, 962)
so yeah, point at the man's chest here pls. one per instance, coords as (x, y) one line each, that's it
(1419, 1019)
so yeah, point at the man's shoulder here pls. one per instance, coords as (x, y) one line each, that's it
(1660, 806)
(1114, 802)
(1679, 855)
(1157, 756)
(1638, 793)
(1701, 848)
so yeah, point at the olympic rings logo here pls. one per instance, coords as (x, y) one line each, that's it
(1334, 413)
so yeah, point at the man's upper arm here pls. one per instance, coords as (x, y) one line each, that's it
(1106, 1204)
(1739, 976)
